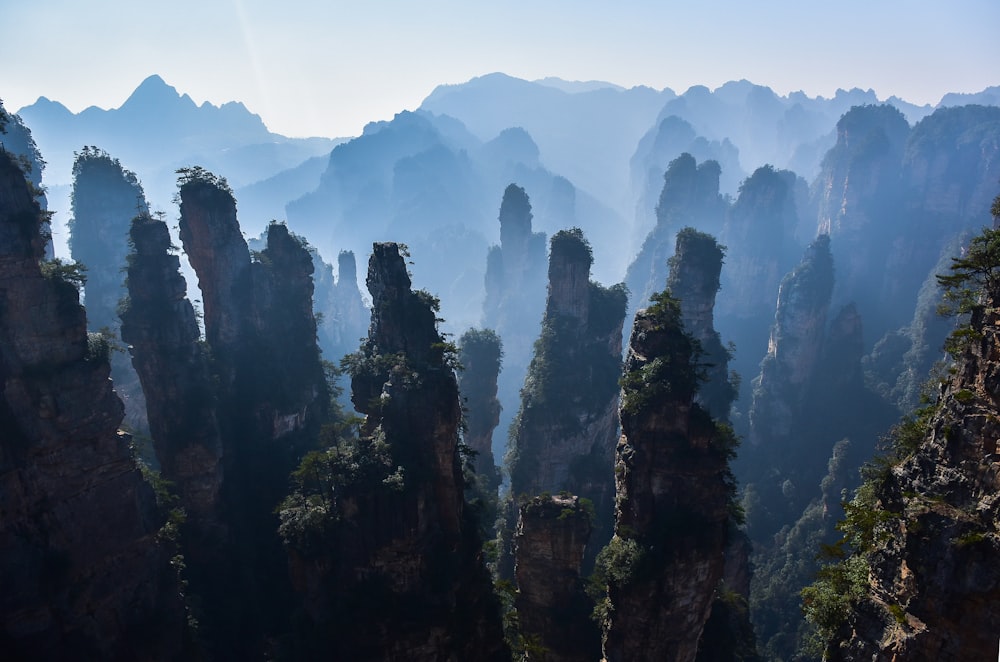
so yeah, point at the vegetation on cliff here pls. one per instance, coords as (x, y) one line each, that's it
(918, 532)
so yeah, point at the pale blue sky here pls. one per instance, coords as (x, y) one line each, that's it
(327, 68)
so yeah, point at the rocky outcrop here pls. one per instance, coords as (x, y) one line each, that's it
(924, 529)
(694, 280)
(674, 498)
(689, 197)
(859, 198)
(570, 395)
(553, 611)
(219, 255)
(345, 316)
(480, 353)
(106, 197)
(85, 574)
(564, 433)
(515, 293)
(160, 328)
(758, 233)
(16, 139)
(271, 398)
(387, 557)
(795, 345)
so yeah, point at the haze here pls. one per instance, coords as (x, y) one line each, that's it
(312, 68)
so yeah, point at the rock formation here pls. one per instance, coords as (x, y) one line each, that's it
(795, 345)
(345, 316)
(921, 580)
(564, 433)
(515, 293)
(674, 498)
(160, 328)
(859, 197)
(270, 398)
(387, 556)
(480, 353)
(16, 139)
(694, 280)
(106, 197)
(689, 197)
(84, 571)
(553, 611)
(761, 247)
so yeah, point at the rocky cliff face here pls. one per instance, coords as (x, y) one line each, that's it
(924, 528)
(390, 565)
(270, 398)
(674, 493)
(480, 353)
(859, 188)
(563, 436)
(219, 255)
(554, 613)
(160, 328)
(16, 138)
(689, 197)
(515, 293)
(85, 575)
(569, 398)
(345, 316)
(105, 199)
(795, 344)
(694, 279)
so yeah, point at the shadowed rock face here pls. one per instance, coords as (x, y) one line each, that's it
(673, 495)
(160, 327)
(84, 573)
(480, 353)
(552, 533)
(219, 255)
(397, 573)
(265, 392)
(106, 197)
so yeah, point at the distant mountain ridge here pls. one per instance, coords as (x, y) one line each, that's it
(157, 129)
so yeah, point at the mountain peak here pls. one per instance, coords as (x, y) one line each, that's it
(152, 92)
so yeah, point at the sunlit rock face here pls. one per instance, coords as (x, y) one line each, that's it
(933, 585)
(673, 498)
(85, 574)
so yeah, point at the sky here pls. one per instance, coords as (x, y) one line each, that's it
(326, 68)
